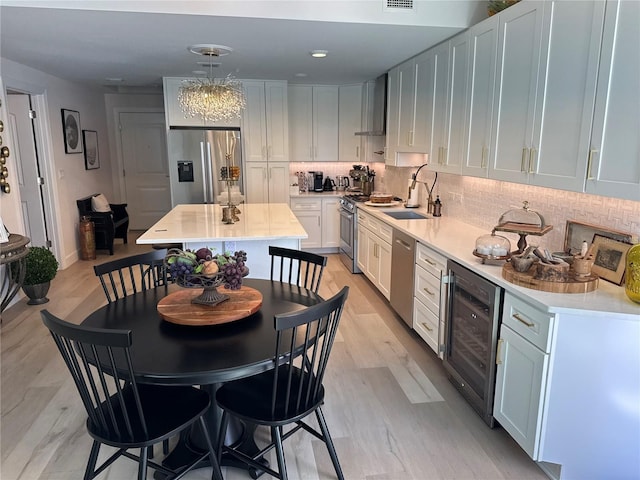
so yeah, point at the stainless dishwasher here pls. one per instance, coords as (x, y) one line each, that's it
(403, 260)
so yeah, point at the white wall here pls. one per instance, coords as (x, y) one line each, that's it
(71, 180)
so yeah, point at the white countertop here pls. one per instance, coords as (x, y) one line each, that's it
(456, 240)
(203, 223)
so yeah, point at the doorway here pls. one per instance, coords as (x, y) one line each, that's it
(143, 144)
(29, 171)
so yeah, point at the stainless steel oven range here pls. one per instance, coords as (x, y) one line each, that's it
(471, 335)
(349, 230)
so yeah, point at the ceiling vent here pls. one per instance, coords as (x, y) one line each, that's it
(399, 4)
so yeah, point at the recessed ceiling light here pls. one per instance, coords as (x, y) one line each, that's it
(210, 50)
(319, 53)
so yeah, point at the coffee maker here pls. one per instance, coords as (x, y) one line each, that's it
(317, 181)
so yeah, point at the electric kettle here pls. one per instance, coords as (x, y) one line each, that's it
(343, 182)
(329, 185)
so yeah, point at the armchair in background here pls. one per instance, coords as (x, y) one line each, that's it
(110, 220)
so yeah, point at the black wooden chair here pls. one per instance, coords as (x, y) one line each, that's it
(122, 413)
(132, 274)
(290, 391)
(303, 269)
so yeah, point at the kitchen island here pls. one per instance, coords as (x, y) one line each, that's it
(260, 225)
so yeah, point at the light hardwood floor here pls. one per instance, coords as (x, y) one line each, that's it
(390, 408)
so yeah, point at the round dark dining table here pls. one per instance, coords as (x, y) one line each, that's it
(171, 354)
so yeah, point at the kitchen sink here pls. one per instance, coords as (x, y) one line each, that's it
(406, 215)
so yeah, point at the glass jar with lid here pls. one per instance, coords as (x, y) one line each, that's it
(492, 247)
(522, 221)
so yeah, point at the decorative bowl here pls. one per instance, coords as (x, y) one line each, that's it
(209, 284)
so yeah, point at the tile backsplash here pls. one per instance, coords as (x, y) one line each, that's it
(481, 202)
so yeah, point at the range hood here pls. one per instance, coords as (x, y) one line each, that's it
(378, 117)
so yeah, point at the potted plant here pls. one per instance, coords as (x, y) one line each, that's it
(495, 6)
(41, 267)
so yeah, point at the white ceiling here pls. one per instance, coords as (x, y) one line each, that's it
(150, 40)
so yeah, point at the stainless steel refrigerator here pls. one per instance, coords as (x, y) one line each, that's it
(196, 159)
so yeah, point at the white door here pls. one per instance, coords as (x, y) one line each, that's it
(27, 169)
(146, 175)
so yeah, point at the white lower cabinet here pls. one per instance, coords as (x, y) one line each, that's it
(521, 377)
(428, 316)
(331, 222)
(427, 325)
(374, 251)
(320, 218)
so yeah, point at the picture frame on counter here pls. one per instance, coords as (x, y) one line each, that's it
(610, 255)
(71, 131)
(577, 232)
(90, 142)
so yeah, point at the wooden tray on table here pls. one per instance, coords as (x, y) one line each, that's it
(177, 307)
(526, 279)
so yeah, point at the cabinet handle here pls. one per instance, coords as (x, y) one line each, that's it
(318, 221)
(269, 152)
(357, 151)
(264, 173)
(429, 261)
(592, 152)
(532, 160)
(315, 151)
(523, 160)
(483, 161)
(522, 320)
(264, 151)
(428, 291)
(498, 351)
(439, 155)
(427, 327)
(445, 151)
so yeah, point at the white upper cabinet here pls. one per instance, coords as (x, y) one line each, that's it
(350, 122)
(313, 123)
(410, 107)
(265, 121)
(174, 114)
(483, 50)
(393, 115)
(450, 104)
(517, 73)
(543, 105)
(567, 76)
(614, 155)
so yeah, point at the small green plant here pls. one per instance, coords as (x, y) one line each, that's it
(41, 266)
(495, 6)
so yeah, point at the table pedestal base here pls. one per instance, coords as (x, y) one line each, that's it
(193, 443)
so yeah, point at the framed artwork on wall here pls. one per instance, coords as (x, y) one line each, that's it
(577, 232)
(71, 131)
(90, 142)
(610, 258)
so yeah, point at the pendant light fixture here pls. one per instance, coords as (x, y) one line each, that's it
(210, 98)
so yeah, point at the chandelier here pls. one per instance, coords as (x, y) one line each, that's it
(210, 98)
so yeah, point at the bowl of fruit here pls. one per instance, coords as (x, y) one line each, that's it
(203, 269)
